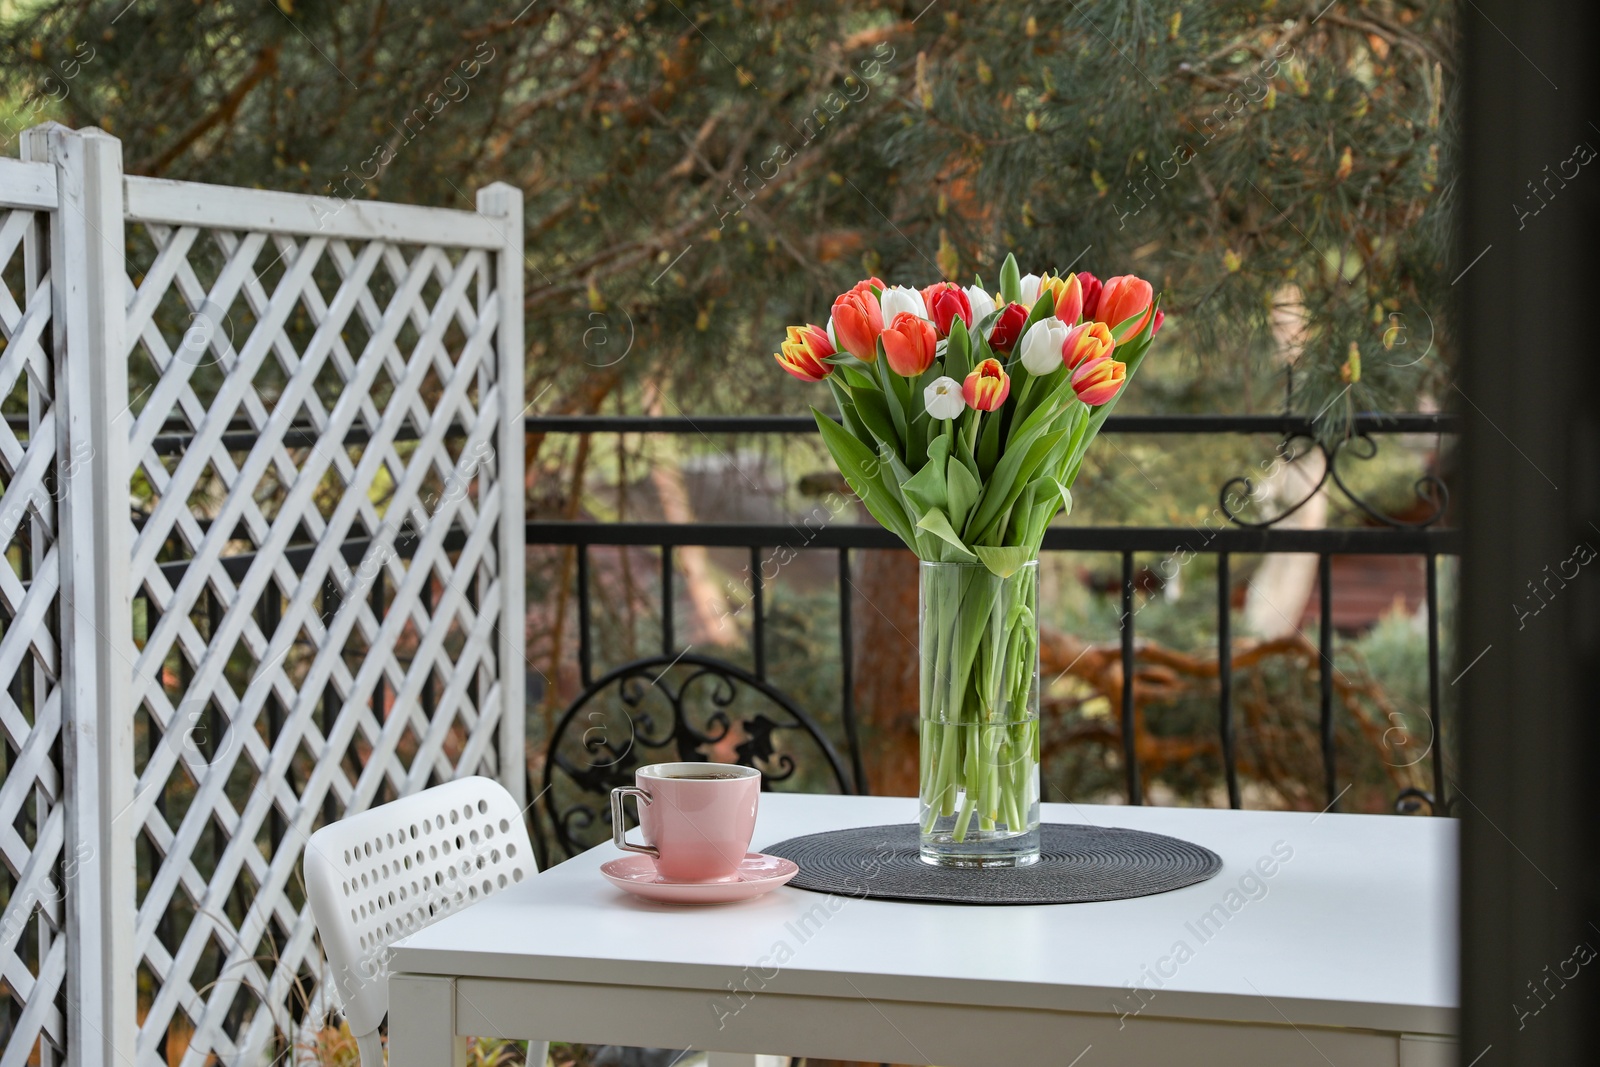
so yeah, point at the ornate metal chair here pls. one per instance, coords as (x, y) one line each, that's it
(674, 708)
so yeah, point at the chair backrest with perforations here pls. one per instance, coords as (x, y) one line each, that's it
(379, 875)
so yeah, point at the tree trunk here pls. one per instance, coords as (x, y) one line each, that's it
(708, 606)
(883, 611)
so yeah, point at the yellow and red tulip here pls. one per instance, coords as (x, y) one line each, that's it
(857, 322)
(1068, 292)
(1086, 341)
(804, 353)
(909, 344)
(987, 387)
(947, 302)
(1125, 297)
(1097, 381)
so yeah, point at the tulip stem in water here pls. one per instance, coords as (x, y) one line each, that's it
(980, 757)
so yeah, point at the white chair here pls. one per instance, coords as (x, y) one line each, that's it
(377, 876)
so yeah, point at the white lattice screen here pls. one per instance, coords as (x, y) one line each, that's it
(32, 825)
(317, 605)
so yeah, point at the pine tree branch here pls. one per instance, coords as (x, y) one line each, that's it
(265, 64)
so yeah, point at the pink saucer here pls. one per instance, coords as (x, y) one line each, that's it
(758, 874)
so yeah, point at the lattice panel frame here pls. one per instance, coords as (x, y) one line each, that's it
(368, 342)
(306, 615)
(37, 868)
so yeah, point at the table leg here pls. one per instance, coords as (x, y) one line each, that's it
(744, 1059)
(422, 1022)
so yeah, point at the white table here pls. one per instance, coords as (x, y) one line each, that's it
(1345, 955)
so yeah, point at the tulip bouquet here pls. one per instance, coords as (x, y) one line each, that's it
(964, 418)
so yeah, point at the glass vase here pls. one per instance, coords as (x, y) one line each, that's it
(979, 760)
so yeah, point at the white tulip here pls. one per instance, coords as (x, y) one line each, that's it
(982, 303)
(943, 398)
(1040, 350)
(832, 340)
(1030, 290)
(899, 298)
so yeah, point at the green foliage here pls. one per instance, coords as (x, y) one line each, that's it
(698, 174)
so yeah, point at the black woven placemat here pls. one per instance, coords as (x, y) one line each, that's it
(1076, 864)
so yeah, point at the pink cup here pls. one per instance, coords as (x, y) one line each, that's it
(697, 818)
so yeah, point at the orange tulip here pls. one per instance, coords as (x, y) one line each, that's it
(1098, 380)
(804, 353)
(857, 322)
(987, 387)
(1086, 341)
(1068, 292)
(909, 343)
(1125, 297)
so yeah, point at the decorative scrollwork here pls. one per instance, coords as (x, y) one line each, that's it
(1288, 454)
(667, 709)
(1430, 489)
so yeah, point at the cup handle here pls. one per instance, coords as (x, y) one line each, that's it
(619, 821)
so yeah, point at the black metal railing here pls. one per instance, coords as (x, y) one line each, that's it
(1423, 536)
(1415, 536)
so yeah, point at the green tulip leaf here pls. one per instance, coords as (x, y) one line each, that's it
(962, 492)
(1046, 392)
(1066, 497)
(989, 442)
(874, 412)
(894, 392)
(1003, 562)
(857, 381)
(1011, 474)
(1018, 520)
(926, 488)
(847, 412)
(958, 356)
(863, 472)
(1047, 502)
(938, 524)
(1010, 280)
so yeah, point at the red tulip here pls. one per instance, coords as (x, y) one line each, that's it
(1125, 297)
(804, 353)
(987, 387)
(1098, 380)
(857, 322)
(909, 343)
(1161, 316)
(1086, 341)
(870, 285)
(1091, 293)
(1007, 329)
(946, 302)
